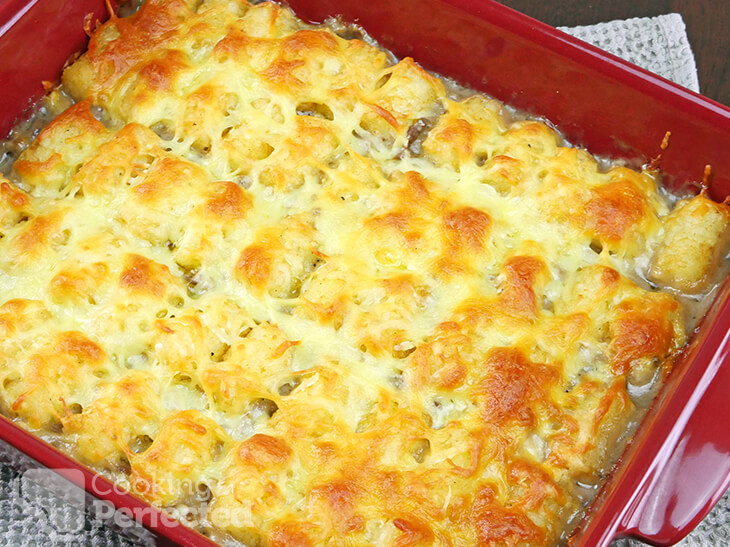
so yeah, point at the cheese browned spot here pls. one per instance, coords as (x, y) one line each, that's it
(254, 265)
(614, 208)
(141, 275)
(298, 277)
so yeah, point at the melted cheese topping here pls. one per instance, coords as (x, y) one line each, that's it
(303, 280)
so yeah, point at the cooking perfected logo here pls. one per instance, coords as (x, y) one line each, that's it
(47, 503)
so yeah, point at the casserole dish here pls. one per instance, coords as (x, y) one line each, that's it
(631, 146)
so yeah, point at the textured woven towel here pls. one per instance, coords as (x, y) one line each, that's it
(31, 516)
(658, 44)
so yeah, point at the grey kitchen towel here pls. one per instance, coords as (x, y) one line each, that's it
(53, 514)
(658, 44)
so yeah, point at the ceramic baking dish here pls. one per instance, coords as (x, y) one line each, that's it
(678, 464)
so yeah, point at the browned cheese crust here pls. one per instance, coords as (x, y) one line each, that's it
(300, 278)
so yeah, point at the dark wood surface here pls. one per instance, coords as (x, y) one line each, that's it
(708, 28)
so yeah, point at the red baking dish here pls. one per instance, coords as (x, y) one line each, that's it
(678, 465)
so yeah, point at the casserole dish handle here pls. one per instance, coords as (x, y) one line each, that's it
(681, 468)
(693, 466)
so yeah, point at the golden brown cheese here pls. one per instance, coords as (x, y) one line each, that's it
(61, 149)
(118, 422)
(299, 278)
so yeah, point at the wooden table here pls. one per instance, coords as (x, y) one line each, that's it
(708, 28)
